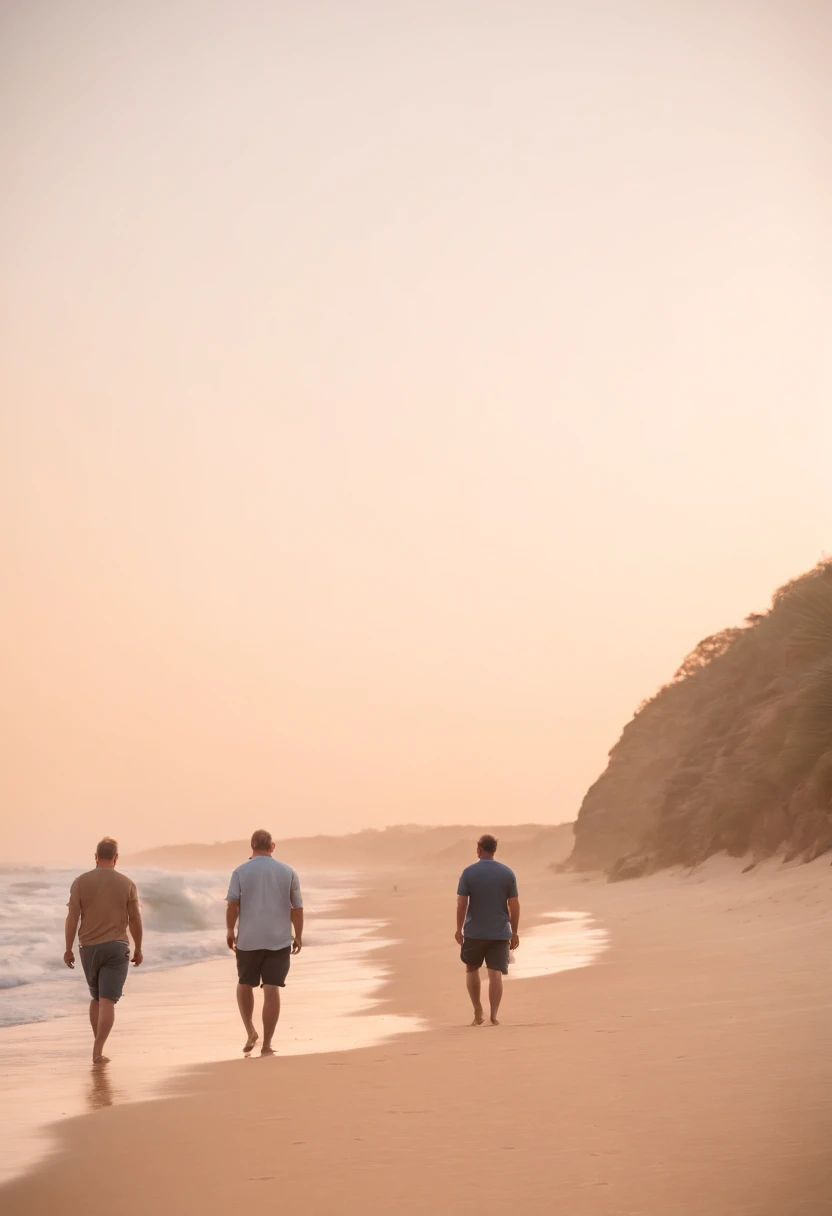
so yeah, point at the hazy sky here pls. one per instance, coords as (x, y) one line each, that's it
(393, 393)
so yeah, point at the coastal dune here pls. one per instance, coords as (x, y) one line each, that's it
(685, 1073)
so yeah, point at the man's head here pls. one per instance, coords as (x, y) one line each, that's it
(486, 846)
(106, 852)
(261, 842)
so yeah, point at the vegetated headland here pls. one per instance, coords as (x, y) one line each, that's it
(734, 754)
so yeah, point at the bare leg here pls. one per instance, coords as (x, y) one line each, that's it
(94, 1017)
(271, 1012)
(472, 983)
(495, 994)
(245, 1004)
(104, 1024)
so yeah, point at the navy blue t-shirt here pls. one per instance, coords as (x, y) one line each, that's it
(489, 886)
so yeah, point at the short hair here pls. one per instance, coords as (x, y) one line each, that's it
(488, 843)
(106, 849)
(261, 839)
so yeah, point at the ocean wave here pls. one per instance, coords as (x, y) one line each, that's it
(184, 923)
(182, 914)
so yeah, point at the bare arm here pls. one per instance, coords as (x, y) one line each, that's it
(297, 928)
(232, 912)
(70, 929)
(461, 909)
(73, 917)
(136, 931)
(134, 924)
(514, 915)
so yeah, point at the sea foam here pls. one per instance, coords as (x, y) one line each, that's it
(183, 915)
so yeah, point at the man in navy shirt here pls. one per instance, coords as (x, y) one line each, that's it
(487, 917)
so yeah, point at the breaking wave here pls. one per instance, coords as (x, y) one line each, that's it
(183, 916)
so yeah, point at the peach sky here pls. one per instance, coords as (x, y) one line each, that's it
(394, 392)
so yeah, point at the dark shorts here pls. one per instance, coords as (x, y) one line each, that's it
(475, 952)
(256, 967)
(105, 967)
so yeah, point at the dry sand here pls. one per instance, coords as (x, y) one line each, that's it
(688, 1073)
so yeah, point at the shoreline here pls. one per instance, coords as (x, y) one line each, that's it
(152, 1056)
(348, 958)
(184, 923)
(48, 1076)
(686, 1073)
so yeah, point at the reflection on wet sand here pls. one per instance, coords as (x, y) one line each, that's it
(564, 941)
(101, 1092)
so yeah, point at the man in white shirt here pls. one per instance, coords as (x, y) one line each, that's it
(264, 895)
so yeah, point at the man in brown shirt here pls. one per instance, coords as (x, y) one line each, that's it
(107, 904)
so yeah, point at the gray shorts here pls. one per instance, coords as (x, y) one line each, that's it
(256, 967)
(106, 966)
(494, 954)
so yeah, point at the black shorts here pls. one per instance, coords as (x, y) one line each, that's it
(105, 969)
(256, 967)
(494, 954)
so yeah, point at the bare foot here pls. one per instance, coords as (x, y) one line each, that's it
(100, 1059)
(479, 1018)
(250, 1041)
(267, 1050)
(494, 1022)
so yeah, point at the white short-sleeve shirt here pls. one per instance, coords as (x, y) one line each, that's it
(266, 890)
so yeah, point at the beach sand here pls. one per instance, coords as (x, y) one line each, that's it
(185, 1016)
(686, 1072)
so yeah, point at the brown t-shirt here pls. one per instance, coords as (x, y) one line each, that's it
(106, 901)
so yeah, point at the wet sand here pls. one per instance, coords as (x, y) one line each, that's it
(685, 1073)
(185, 1017)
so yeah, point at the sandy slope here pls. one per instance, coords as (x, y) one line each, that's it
(689, 1073)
